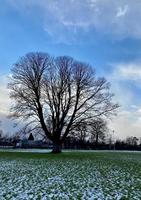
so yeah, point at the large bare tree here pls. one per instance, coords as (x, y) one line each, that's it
(56, 94)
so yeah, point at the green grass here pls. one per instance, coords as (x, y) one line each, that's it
(70, 175)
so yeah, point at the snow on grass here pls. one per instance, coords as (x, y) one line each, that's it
(64, 150)
(88, 176)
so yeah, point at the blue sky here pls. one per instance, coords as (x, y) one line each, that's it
(104, 33)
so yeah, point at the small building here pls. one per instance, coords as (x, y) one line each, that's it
(32, 143)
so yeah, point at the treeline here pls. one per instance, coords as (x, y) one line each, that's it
(7, 140)
(130, 143)
(94, 140)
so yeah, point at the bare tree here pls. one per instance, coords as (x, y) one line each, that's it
(98, 130)
(55, 94)
(80, 132)
(132, 141)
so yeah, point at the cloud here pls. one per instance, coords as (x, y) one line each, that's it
(122, 11)
(125, 81)
(123, 78)
(5, 102)
(4, 95)
(127, 123)
(6, 125)
(65, 20)
(130, 71)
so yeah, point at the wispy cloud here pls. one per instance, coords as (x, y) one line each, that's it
(122, 11)
(66, 20)
(130, 71)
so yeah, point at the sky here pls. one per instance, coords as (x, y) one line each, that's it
(103, 33)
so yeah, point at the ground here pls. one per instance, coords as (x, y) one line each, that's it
(70, 175)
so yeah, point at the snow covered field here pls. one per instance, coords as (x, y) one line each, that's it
(70, 175)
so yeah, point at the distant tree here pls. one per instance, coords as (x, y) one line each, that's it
(140, 141)
(80, 132)
(15, 138)
(132, 141)
(98, 130)
(56, 94)
(1, 135)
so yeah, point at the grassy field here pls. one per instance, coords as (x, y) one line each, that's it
(70, 175)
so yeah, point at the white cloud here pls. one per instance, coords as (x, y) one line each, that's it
(121, 77)
(65, 20)
(4, 95)
(122, 11)
(130, 71)
(127, 123)
(128, 120)
(6, 125)
(5, 103)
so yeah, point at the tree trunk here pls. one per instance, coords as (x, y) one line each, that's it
(57, 147)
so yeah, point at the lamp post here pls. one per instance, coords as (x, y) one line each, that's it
(113, 139)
